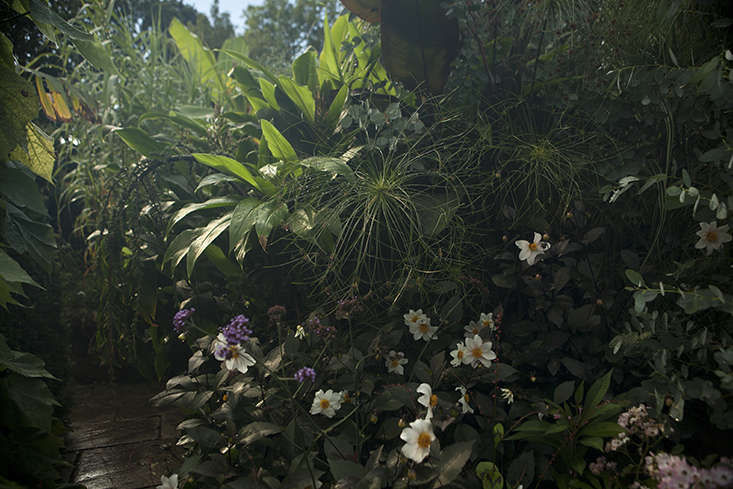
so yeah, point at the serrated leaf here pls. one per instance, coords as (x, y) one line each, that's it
(33, 399)
(12, 272)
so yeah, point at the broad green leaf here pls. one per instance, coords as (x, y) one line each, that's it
(521, 470)
(39, 155)
(206, 236)
(12, 272)
(187, 209)
(33, 399)
(267, 216)
(634, 277)
(597, 391)
(328, 68)
(96, 54)
(337, 105)
(490, 475)
(268, 92)
(563, 392)
(19, 187)
(221, 262)
(6, 291)
(25, 364)
(593, 442)
(243, 219)
(336, 166)
(602, 429)
(304, 70)
(344, 469)
(198, 57)
(140, 141)
(276, 142)
(215, 179)
(452, 460)
(301, 97)
(247, 82)
(178, 248)
(252, 64)
(257, 430)
(227, 165)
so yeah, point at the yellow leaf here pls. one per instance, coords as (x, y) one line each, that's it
(45, 100)
(59, 105)
(39, 155)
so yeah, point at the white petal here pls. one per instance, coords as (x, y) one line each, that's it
(537, 237)
(523, 244)
(409, 435)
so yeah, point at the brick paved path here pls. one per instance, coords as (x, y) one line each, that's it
(118, 440)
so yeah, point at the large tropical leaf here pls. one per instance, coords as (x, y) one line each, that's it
(205, 237)
(200, 58)
(276, 142)
(227, 165)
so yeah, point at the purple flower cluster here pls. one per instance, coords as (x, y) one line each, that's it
(276, 313)
(179, 319)
(305, 373)
(601, 465)
(236, 331)
(315, 326)
(346, 307)
(673, 472)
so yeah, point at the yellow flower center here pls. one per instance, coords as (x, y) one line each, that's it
(477, 352)
(424, 440)
(533, 246)
(395, 363)
(711, 236)
(475, 331)
(424, 327)
(433, 400)
(325, 403)
(459, 355)
(414, 318)
(465, 397)
(235, 354)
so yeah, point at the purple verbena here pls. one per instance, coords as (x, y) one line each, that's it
(236, 331)
(315, 326)
(305, 373)
(179, 319)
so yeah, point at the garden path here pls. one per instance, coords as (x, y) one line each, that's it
(118, 440)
